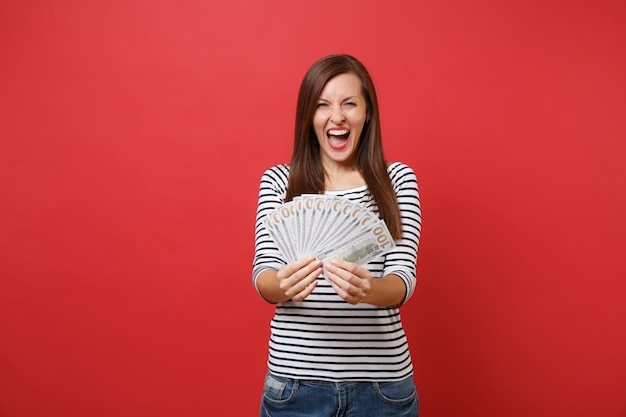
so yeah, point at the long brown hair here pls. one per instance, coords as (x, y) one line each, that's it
(306, 171)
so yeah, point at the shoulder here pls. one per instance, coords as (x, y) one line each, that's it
(277, 169)
(273, 185)
(277, 173)
(399, 171)
(274, 181)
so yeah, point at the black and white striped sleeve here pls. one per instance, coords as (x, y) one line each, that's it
(402, 260)
(272, 191)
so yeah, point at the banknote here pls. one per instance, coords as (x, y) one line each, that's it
(328, 226)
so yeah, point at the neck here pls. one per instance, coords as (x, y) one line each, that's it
(342, 178)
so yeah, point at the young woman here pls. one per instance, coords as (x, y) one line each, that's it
(337, 345)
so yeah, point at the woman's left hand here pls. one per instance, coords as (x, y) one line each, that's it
(350, 281)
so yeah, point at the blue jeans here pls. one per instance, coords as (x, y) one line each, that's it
(286, 397)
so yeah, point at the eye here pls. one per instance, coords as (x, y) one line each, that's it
(349, 104)
(321, 105)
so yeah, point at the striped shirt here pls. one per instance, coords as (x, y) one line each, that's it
(323, 337)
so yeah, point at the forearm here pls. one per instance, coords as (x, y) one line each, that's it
(269, 287)
(388, 291)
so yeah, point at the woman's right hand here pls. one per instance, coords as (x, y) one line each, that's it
(299, 278)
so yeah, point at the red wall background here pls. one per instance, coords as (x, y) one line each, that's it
(132, 138)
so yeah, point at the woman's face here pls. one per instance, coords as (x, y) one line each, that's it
(339, 118)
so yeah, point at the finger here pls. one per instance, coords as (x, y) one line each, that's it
(305, 292)
(350, 272)
(353, 268)
(309, 271)
(295, 266)
(295, 282)
(338, 272)
(333, 274)
(345, 295)
(352, 289)
(305, 286)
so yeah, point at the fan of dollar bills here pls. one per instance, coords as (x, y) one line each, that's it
(326, 227)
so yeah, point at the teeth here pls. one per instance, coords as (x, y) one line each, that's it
(337, 132)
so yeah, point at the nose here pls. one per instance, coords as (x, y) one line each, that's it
(337, 116)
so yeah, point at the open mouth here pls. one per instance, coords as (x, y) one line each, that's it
(338, 138)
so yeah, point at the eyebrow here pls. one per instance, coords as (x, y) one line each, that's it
(347, 98)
